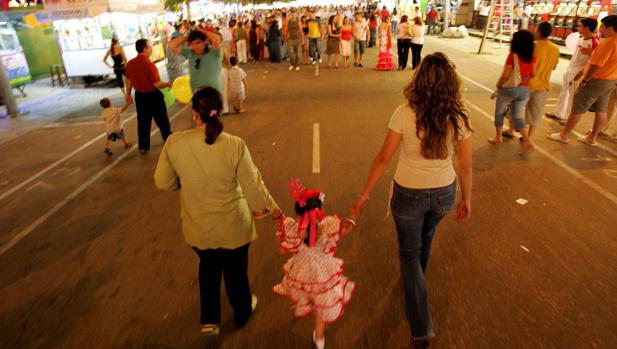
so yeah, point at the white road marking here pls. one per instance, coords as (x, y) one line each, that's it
(560, 163)
(29, 229)
(610, 172)
(40, 184)
(65, 124)
(316, 156)
(46, 169)
(524, 248)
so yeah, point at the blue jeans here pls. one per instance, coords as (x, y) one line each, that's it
(416, 215)
(314, 48)
(516, 98)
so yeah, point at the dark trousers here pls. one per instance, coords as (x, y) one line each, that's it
(402, 46)
(151, 105)
(233, 265)
(416, 51)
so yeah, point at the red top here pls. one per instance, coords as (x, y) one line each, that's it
(384, 14)
(525, 67)
(432, 14)
(346, 34)
(373, 24)
(142, 73)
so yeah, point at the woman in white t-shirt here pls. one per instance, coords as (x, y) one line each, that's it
(429, 129)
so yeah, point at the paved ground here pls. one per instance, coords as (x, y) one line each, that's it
(92, 256)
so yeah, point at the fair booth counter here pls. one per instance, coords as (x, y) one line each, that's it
(84, 34)
(12, 58)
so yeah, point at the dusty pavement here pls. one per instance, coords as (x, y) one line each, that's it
(91, 254)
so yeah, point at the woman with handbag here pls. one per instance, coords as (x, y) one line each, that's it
(512, 87)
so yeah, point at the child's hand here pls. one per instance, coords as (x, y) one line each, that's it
(350, 222)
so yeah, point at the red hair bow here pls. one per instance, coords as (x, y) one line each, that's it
(309, 218)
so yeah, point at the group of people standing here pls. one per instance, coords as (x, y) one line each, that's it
(589, 83)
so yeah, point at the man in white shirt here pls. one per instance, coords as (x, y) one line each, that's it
(226, 38)
(586, 44)
(360, 34)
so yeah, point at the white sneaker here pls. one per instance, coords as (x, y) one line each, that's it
(297, 68)
(291, 68)
(319, 343)
(320, 61)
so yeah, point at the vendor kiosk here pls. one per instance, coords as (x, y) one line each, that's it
(13, 58)
(84, 33)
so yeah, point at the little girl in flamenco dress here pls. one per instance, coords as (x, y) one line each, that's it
(314, 279)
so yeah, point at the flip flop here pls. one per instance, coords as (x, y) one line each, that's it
(210, 330)
(587, 142)
(556, 137)
(507, 135)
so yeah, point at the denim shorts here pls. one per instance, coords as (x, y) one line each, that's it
(359, 46)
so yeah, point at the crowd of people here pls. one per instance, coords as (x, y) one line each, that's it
(589, 84)
(304, 35)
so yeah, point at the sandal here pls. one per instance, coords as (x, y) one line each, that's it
(557, 138)
(584, 140)
(507, 135)
(210, 330)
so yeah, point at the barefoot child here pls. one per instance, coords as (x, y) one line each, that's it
(314, 278)
(113, 125)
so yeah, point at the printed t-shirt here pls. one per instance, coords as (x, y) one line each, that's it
(314, 30)
(414, 170)
(605, 56)
(526, 69)
(360, 29)
(111, 116)
(579, 59)
(208, 72)
(546, 56)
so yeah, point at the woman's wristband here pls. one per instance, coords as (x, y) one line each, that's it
(364, 197)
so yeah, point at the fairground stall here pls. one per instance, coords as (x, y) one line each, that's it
(12, 57)
(564, 15)
(84, 29)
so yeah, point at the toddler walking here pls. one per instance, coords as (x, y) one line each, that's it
(314, 279)
(113, 125)
(237, 84)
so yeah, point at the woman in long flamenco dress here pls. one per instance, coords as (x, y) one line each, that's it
(384, 61)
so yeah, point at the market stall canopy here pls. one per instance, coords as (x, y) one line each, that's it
(69, 9)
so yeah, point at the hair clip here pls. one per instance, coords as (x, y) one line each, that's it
(213, 113)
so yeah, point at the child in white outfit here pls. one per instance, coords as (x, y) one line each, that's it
(113, 124)
(237, 84)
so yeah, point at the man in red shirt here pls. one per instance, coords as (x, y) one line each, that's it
(143, 75)
(384, 14)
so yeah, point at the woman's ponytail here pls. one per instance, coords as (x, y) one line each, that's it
(208, 103)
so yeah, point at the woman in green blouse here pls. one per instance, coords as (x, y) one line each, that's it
(220, 189)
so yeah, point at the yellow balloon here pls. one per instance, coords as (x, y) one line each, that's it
(182, 89)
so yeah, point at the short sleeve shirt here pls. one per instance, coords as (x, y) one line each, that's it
(360, 29)
(605, 56)
(236, 75)
(207, 72)
(314, 30)
(111, 117)
(414, 170)
(547, 56)
(142, 73)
